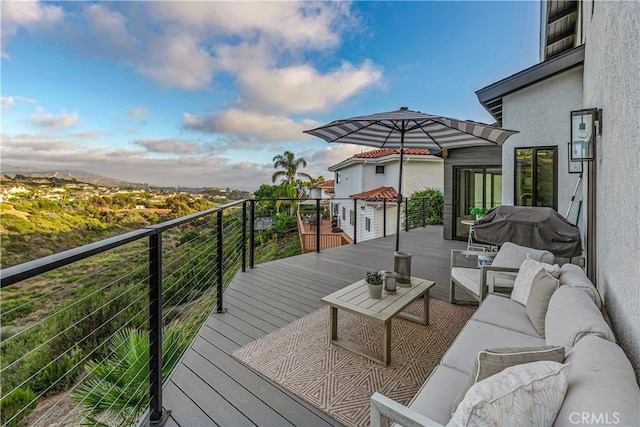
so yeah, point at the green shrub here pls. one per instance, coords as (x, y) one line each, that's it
(432, 200)
(19, 401)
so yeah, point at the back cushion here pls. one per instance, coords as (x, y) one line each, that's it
(572, 315)
(512, 255)
(573, 275)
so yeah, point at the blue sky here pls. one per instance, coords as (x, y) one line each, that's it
(204, 94)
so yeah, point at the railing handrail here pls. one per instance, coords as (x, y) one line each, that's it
(27, 270)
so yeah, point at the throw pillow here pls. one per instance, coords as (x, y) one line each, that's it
(529, 394)
(542, 288)
(527, 272)
(493, 360)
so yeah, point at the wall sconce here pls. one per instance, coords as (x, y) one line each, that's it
(583, 133)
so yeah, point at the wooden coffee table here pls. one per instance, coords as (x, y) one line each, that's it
(355, 299)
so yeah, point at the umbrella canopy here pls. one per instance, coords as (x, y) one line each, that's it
(405, 128)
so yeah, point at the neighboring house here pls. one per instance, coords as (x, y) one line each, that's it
(364, 181)
(590, 58)
(322, 190)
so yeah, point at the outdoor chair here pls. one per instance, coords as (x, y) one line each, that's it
(499, 276)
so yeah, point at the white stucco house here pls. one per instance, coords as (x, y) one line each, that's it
(365, 196)
(589, 59)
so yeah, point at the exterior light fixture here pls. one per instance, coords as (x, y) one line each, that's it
(583, 133)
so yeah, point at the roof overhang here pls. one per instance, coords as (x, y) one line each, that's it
(382, 160)
(491, 96)
(559, 31)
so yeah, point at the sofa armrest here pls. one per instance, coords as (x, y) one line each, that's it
(495, 271)
(456, 252)
(384, 408)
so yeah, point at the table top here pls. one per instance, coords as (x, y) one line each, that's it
(355, 299)
(467, 221)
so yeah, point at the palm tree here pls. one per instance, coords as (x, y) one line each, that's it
(288, 162)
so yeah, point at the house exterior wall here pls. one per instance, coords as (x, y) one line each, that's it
(612, 82)
(541, 113)
(421, 175)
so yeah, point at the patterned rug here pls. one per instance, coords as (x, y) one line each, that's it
(339, 382)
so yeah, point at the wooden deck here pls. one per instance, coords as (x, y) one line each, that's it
(209, 387)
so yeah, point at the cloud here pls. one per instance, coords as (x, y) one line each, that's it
(174, 146)
(30, 14)
(109, 27)
(249, 124)
(9, 102)
(138, 113)
(302, 88)
(47, 120)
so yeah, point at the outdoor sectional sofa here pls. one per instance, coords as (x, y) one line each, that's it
(602, 387)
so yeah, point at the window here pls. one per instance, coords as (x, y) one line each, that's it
(352, 217)
(344, 213)
(367, 224)
(536, 177)
(379, 169)
(337, 177)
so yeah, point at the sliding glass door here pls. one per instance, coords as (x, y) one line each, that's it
(475, 187)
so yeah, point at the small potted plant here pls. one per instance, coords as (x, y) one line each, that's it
(478, 212)
(374, 281)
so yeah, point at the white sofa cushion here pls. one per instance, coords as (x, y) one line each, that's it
(602, 386)
(526, 275)
(527, 394)
(574, 276)
(572, 315)
(512, 255)
(477, 336)
(542, 289)
(436, 396)
(493, 360)
(506, 313)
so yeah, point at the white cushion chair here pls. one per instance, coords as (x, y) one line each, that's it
(501, 274)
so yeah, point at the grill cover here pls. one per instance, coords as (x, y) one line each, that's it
(534, 227)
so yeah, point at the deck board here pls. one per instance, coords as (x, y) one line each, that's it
(209, 387)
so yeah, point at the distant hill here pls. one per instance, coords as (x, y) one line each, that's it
(90, 178)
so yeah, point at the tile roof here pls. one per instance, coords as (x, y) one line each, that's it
(377, 195)
(382, 152)
(323, 184)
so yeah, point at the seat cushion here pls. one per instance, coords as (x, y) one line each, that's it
(602, 385)
(573, 275)
(468, 278)
(512, 255)
(523, 395)
(478, 336)
(436, 396)
(506, 313)
(572, 315)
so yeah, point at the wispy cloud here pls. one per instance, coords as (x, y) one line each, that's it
(138, 113)
(8, 102)
(175, 146)
(30, 14)
(48, 120)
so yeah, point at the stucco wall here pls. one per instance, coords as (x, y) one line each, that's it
(541, 113)
(612, 82)
(421, 175)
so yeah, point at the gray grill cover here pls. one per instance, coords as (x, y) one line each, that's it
(534, 227)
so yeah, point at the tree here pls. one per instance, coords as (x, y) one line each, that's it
(290, 165)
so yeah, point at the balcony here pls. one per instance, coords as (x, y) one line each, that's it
(200, 271)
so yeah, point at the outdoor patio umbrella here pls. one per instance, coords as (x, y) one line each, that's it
(405, 128)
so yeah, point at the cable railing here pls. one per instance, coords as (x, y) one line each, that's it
(87, 336)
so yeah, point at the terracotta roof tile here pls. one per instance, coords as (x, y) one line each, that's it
(377, 195)
(382, 152)
(323, 184)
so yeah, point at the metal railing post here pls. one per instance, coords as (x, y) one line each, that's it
(424, 222)
(252, 233)
(157, 417)
(219, 256)
(384, 217)
(318, 224)
(355, 221)
(244, 236)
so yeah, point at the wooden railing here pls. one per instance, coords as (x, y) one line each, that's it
(328, 240)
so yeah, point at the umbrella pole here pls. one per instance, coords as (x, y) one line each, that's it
(399, 192)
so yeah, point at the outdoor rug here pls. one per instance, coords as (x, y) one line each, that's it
(339, 382)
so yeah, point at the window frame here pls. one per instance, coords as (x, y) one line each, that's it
(367, 224)
(534, 171)
(352, 217)
(380, 169)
